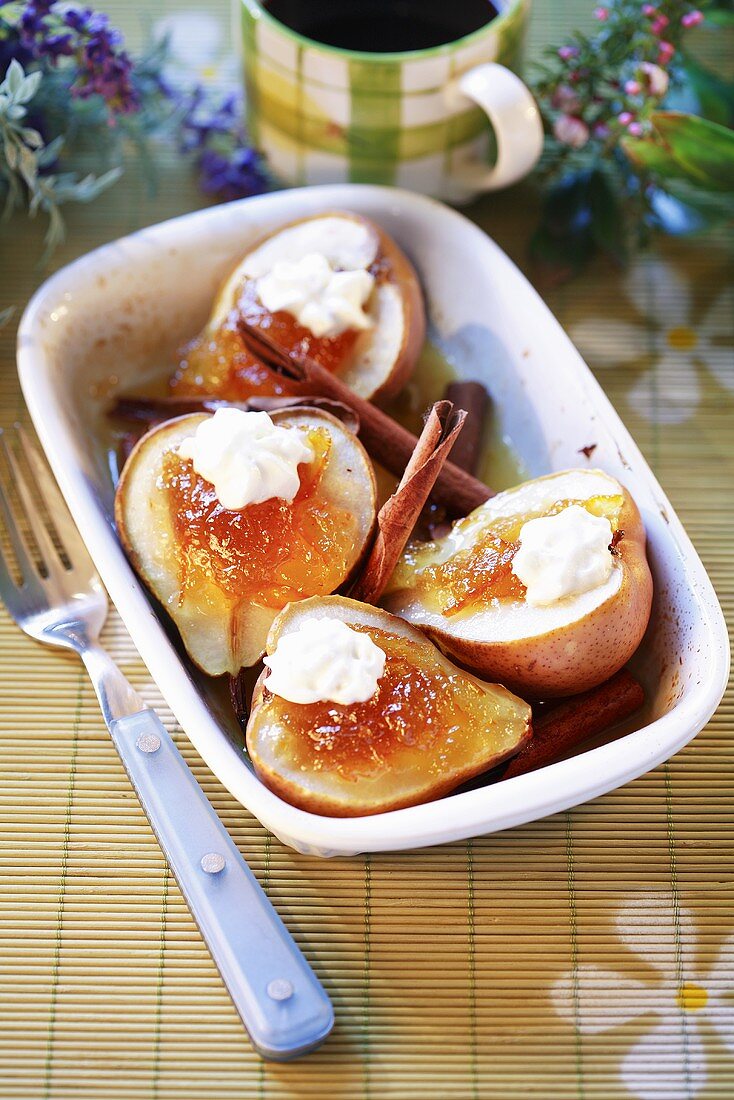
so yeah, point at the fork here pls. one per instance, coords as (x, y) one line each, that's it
(55, 595)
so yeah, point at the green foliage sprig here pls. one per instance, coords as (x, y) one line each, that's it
(638, 134)
(25, 156)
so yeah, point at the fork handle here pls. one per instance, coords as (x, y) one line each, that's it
(281, 1003)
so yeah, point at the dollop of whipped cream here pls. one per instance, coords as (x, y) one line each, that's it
(323, 300)
(563, 555)
(324, 660)
(246, 457)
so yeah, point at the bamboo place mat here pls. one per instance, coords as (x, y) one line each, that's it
(587, 955)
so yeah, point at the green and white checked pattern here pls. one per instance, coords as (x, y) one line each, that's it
(324, 115)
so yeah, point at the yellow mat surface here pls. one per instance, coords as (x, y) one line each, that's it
(587, 955)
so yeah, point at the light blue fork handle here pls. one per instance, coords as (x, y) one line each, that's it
(279, 998)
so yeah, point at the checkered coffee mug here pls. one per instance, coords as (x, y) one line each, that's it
(449, 121)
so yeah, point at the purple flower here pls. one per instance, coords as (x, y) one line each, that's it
(232, 177)
(200, 121)
(625, 117)
(692, 18)
(571, 131)
(635, 128)
(105, 69)
(567, 53)
(88, 22)
(57, 45)
(32, 24)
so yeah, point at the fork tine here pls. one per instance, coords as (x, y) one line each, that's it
(66, 529)
(49, 553)
(23, 556)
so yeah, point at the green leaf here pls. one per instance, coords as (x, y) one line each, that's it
(705, 148)
(32, 138)
(687, 148)
(704, 93)
(29, 87)
(13, 78)
(719, 17)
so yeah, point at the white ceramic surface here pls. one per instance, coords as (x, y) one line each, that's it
(121, 311)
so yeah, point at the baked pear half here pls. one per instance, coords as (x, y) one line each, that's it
(224, 573)
(426, 727)
(550, 607)
(312, 269)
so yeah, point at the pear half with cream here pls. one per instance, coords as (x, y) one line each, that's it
(228, 518)
(546, 587)
(334, 287)
(358, 713)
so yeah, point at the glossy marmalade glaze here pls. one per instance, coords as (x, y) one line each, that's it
(422, 718)
(482, 572)
(218, 363)
(269, 553)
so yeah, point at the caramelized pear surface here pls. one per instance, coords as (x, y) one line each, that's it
(462, 592)
(429, 727)
(224, 574)
(375, 363)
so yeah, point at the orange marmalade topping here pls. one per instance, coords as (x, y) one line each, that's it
(483, 571)
(268, 553)
(475, 575)
(421, 717)
(331, 352)
(219, 364)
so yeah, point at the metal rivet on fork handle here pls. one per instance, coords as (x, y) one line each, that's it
(280, 989)
(213, 863)
(148, 742)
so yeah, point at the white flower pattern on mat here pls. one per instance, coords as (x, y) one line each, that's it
(668, 1062)
(678, 342)
(198, 49)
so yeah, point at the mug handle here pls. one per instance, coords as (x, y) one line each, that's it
(516, 121)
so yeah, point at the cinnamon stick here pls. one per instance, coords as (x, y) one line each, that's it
(154, 410)
(239, 696)
(576, 720)
(473, 397)
(399, 513)
(385, 440)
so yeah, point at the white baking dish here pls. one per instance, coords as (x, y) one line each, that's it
(121, 311)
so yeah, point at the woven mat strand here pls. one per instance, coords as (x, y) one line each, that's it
(587, 955)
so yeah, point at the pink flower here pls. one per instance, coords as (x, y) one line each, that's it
(632, 87)
(665, 52)
(635, 128)
(692, 18)
(649, 10)
(566, 53)
(602, 14)
(656, 79)
(565, 99)
(572, 131)
(625, 117)
(659, 24)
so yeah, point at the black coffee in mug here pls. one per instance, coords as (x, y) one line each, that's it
(383, 26)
